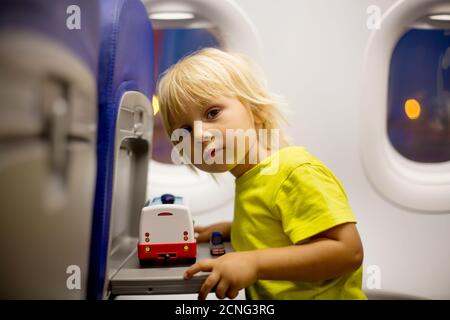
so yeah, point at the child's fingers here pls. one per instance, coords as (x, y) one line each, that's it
(232, 293)
(203, 236)
(221, 289)
(204, 265)
(207, 286)
(199, 229)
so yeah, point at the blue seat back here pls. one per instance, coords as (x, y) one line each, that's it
(126, 64)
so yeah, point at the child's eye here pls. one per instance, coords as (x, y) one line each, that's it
(211, 114)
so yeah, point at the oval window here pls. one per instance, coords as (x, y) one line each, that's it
(419, 96)
(170, 46)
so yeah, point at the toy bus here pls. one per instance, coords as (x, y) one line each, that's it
(166, 231)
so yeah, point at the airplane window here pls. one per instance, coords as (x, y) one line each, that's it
(170, 46)
(419, 96)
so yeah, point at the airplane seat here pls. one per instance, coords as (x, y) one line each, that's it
(48, 94)
(125, 86)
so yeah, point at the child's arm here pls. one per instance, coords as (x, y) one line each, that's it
(328, 255)
(205, 232)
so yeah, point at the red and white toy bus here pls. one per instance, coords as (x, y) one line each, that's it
(166, 231)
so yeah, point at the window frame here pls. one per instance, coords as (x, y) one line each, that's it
(421, 187)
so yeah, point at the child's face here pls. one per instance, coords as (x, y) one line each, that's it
(222, 114)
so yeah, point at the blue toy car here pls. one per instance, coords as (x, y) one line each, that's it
(216, 245)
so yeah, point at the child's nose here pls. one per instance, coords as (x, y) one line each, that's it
(198, 135)
(202, 135)
(204, 140)
(207, 136)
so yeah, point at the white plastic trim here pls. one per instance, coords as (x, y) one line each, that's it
(205, 196)
(134, 101)
(421, 187)
(202, 193)
(239, 33)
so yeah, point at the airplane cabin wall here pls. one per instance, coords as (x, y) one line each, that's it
(313, 56)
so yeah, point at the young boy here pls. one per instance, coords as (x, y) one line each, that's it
(293, 232)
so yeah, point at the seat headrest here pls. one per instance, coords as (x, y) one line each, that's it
(49, 18)
(126, 52)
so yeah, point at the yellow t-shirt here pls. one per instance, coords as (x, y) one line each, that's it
(286, 199)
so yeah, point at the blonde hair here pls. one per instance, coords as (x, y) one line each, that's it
(207, 74)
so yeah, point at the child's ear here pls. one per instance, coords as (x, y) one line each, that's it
(259, 120)
(259, 124)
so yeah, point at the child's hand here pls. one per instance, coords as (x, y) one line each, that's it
(229, 274)
(205, 232)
